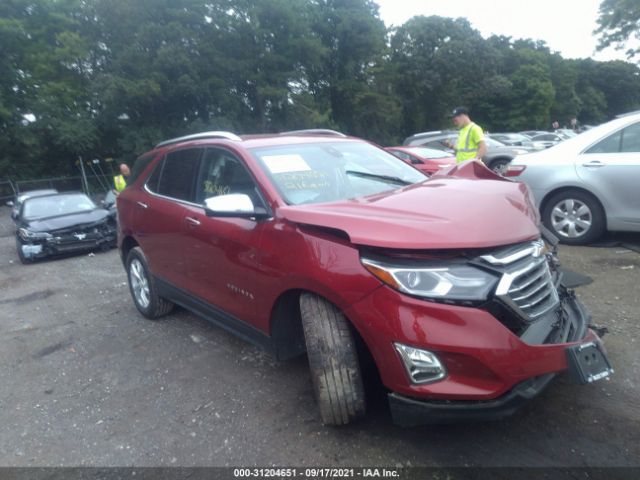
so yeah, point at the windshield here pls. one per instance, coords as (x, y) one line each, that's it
(325, 172)
(54, 205)
(430, 153)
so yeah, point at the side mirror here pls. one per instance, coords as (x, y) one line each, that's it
(9, 203)
(233, 205)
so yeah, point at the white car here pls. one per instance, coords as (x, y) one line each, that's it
(588, 184)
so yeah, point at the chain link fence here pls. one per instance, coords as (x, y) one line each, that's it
(7, 191)
(96, 186)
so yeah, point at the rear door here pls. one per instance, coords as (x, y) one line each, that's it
(161, 211)
(611, 168)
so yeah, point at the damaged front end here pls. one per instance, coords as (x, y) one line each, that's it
(456, 307)
(32, 245)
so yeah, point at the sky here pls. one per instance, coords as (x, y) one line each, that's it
(565, 25)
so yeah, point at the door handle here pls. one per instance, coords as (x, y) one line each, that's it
(143, 205)
(192, 221)
(594, 163)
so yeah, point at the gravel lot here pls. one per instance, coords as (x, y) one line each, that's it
(86, 381)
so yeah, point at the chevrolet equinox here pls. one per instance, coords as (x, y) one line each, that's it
(312, 241)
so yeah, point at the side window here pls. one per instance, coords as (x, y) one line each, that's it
(139, 166)
(154, 178)
(611, 144)
(631, 138)
(179, 173)
(221, 173)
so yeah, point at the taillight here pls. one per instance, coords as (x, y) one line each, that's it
(514, 170)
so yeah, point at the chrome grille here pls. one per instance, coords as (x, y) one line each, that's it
(527, 285)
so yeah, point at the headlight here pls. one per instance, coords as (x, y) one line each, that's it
(29, 235)
(442, 282)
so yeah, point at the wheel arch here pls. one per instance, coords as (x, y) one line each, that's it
(127, 244)
(565, 188)
(490, 162)
(285, 327)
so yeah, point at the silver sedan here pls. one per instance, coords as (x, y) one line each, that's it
(588, 184)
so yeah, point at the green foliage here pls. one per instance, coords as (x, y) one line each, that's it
(619, 24)
(110, 78)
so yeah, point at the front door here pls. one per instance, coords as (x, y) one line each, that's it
(223, 253)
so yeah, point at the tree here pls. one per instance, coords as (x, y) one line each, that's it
(619, 24)
(439, 63)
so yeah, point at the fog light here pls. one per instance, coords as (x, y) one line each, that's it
(422, 366)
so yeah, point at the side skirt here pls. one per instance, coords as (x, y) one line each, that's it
(215, 315)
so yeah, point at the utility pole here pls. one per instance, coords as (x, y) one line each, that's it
(84, 176)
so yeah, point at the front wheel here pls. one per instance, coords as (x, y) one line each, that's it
(143, 288)
(333, 361)
(575, 217)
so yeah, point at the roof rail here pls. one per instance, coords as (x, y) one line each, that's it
(315, 131)
(201, 136)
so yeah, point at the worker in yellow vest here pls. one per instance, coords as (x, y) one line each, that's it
(471, 144)
(120, 181)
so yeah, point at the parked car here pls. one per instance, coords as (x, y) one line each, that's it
(498, 154)
(513, 139)
(587, 184)
(62, 223)
(533, 133)
(109, 202)
(565, 133)
(546, 140)
(330, 245)
(427, 160)
(16, 204)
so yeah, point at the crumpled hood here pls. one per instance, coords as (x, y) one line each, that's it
(67, 221)
(446, 212)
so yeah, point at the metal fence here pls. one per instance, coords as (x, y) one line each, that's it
(7, 190)
(96, 185)
(62, 184)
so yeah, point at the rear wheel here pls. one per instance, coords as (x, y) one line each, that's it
(575, 217)
(333, 361)
(143, 288)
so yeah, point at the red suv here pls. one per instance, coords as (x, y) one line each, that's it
(311, 241)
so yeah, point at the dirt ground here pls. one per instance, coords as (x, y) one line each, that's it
(86, 381)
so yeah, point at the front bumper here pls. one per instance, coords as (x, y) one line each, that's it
(408, 412)
(492, 371)
(62, 246)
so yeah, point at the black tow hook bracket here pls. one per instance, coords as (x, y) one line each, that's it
(599, 329)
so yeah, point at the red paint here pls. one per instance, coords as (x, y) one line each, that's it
(243, 266)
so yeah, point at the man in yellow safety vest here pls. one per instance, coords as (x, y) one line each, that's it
(471, 144)
(120, 181)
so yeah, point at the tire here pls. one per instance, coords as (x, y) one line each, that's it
(24, 260)
(499, 165)
(333, 361)
(575, 217)
(143, 288)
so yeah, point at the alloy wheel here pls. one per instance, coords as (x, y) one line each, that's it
(139, 283)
